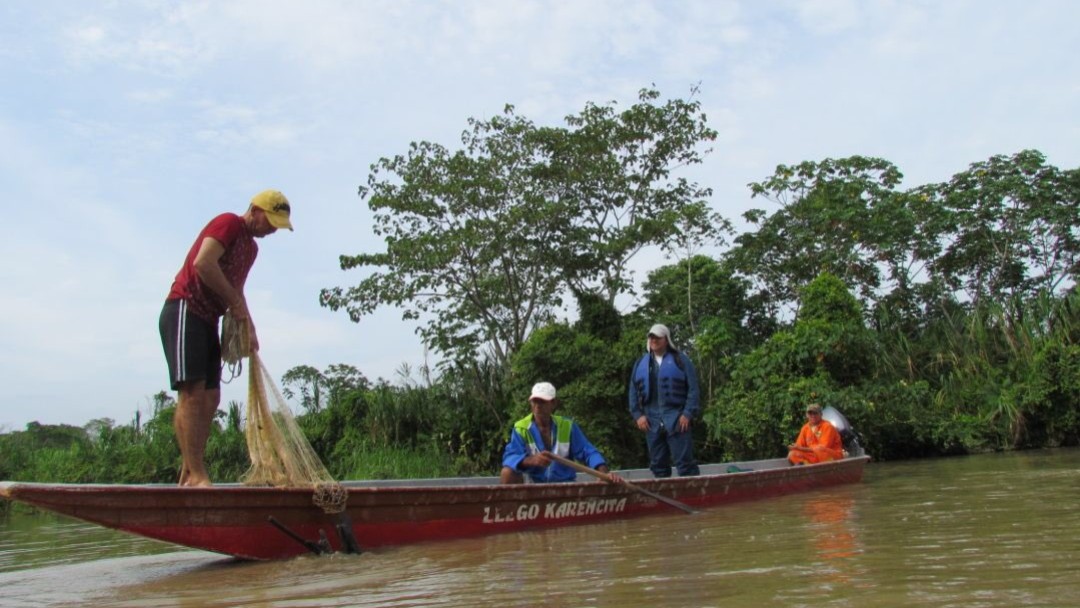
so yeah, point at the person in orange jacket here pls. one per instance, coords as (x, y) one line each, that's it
(818, 440)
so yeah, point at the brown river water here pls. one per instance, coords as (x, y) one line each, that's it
(979, 531)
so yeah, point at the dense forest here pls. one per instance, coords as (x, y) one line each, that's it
(940, 319)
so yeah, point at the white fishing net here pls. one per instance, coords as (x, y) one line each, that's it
(281, 455)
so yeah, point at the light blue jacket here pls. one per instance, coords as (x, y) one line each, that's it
(570, 442)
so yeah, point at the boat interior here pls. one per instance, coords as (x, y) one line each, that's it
(726, 468)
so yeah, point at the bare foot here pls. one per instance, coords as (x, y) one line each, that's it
(196, 482)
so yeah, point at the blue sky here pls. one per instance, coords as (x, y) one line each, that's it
(125, 126)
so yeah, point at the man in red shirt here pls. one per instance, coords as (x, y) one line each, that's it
(211, 282)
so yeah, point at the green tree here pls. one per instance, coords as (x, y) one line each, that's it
(343, 379)
(841, 216)
(41, 453)
(697, 292)
(826, 355)
(610, 176)
(486, 239)
(1015, 228)
(227, 451)
(161, 401)
(335, 400)
(307, 383)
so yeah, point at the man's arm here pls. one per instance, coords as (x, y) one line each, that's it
(693, 391)
(801, 442)
(208, 268)
(636, 411)
(632, 393)
(583, 451)
(515, 452)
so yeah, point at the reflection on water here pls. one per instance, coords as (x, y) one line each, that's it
(829, 519)
(997, 530)
(28, 541)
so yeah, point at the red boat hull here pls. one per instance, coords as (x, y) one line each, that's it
(236, 520)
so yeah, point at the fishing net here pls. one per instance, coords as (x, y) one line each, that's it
(280, 453)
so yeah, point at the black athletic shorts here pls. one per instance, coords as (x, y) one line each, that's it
(192, 346)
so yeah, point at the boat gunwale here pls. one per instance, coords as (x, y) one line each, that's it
(10, 489)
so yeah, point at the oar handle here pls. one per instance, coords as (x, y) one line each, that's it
(591, 471)
(573, 464)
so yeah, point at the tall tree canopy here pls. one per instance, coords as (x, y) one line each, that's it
(840, 216)
(483, 242)
(1014, 228)
(1006, 227)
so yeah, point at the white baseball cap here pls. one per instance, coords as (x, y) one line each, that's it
(544, 391)
(661, 331)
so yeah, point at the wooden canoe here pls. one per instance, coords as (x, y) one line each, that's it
(263, 523)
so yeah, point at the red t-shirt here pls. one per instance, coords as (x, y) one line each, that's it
(240, 251)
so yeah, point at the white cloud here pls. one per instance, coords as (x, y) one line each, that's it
(88, 35)
(150, 96)
(828, 16)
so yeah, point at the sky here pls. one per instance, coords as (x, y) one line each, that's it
(126, 125)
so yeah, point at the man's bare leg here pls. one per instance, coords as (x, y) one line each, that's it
(181, 433)
(194, 414)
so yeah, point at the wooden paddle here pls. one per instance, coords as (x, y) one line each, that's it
(591, 471)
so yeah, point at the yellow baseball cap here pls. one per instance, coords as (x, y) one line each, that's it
(276, 207)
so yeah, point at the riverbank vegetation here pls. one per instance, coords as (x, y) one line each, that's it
(940, 319)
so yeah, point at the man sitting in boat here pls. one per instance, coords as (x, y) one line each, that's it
(535, 437)
(818, 440)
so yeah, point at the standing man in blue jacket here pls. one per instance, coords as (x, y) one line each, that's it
(664, 398)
